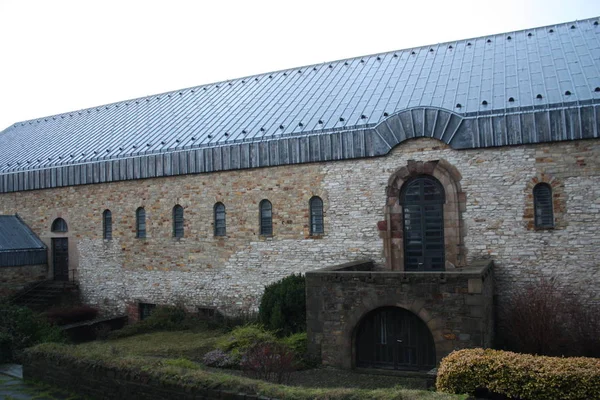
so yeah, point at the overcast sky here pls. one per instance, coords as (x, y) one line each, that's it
(59, 56)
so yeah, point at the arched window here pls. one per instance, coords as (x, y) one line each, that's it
(59, 225)
(266, 218)
(422, 199)
(316, 216)
(542, 204)
(178, 221)
(220, 223)
(107, 225)
(140, 223)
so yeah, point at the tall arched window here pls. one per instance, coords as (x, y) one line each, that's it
(316, 216)
(178, 221)
(422, 199)
(140, 223)
(220, 223)
(266, 218)
(107, 224)
(59, 226)
(542, 204)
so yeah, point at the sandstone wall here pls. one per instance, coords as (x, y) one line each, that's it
(230, 272)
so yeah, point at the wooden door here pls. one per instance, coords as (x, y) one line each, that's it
(60, 258)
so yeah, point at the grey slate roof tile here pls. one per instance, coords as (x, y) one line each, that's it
(481, 75)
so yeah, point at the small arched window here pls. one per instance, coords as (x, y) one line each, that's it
(316, 216)
(140, 223)
(59, 226)
(266, 218)
(542, 204)
(107, 224)
(178, 221)
(220, 223)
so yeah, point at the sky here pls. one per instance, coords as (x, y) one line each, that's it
(59, 56)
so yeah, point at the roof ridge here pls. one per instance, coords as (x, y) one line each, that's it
(217, 83)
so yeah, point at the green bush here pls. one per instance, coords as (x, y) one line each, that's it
(283, 306)
(20, 328)
(521, 376)
(163, 318)
(242, 338)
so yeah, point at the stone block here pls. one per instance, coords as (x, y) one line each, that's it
(475, 286)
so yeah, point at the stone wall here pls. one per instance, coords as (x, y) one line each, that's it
(230, 272)
(455, 305)
(100, 382)
(13, 279)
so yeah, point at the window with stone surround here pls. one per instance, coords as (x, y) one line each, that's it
(107, 224)
(140, 223)
(59, 225)
(424, 208)
(316, 216)
(177, 221)
(266, 218)
(542, 204)
(219, 220)
(146, 310)
(545, 203)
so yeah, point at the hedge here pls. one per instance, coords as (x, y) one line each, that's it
(517, 375)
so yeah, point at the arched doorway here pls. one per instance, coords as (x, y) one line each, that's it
(394, 338)
(422, 199)
(60, 250)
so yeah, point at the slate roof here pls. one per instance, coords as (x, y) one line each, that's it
(547, 68)
(18, 244)
(16, 235)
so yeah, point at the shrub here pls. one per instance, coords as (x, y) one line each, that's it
(283, 306)
(269, 362)
(20, 328)
(242, 338)
(544, 318)
(521, 376)
(218, 358)
(71, 315)
(163, 318)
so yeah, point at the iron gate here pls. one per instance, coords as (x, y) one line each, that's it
(394, 338)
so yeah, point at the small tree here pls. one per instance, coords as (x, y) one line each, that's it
(544, 318)
(283, 306)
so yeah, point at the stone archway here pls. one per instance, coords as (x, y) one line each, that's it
(394, 338)
(392, 228)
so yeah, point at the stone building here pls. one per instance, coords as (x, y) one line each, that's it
(444, 174)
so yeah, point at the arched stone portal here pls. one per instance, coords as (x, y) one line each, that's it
(394, 338)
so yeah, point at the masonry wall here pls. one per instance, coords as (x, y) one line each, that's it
(13, 279)
(231, 272)
(455, 305)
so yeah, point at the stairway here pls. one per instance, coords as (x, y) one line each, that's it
(45, 294)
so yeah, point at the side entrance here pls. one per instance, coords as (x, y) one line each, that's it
(394, 338)
(60, 258)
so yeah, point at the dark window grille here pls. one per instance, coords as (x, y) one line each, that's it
(266, 218)
(542, 202)
(59, 225)
(178, 221)
(316, 216)
(140, 223)
(422, 200)
(220, 223)
(107, 224)
(146, 310)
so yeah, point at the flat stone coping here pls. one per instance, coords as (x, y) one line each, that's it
(478, 268)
